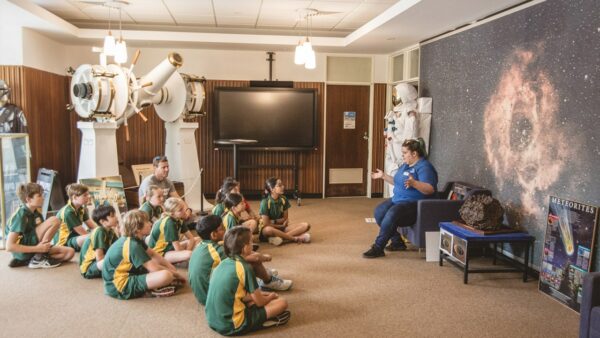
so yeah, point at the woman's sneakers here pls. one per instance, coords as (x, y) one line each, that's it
(42, 261)
(278, 320)
(276, 284)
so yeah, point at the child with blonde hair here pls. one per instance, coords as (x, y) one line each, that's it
(28, 235)
(153, 206)
(72, 216)
(165, 235)
(275, 226)
(131, 268)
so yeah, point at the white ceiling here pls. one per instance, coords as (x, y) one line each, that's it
(347, 26)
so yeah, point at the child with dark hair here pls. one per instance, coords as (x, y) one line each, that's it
(72, 216)
(247, 217)
(28, 235)
(275, 227)
(209, 254)
(131, 268)
(229, 183)
(235, 305)
(91, 258)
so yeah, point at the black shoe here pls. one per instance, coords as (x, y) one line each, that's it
(15, 263)
(401, 247)
(374, 252)
(278, 320)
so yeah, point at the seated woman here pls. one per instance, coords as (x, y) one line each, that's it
(416, 179)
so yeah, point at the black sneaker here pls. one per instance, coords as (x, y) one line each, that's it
(401, 247)
(15, 263)
(278, 320)
(374, 252)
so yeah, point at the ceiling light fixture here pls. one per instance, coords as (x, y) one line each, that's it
(304, 53)
(121, 46)
(109, 40)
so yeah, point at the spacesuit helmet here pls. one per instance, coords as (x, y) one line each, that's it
(402, 93)
(4, 93)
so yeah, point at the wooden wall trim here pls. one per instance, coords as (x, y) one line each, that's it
(378, 153)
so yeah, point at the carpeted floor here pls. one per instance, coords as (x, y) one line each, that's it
(336, 293)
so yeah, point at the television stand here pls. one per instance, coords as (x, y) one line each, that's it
(235, 143)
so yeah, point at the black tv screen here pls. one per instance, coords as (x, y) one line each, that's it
(278, 118)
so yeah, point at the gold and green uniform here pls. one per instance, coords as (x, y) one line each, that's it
(70, 218)
(225, 310)
(153, 212)
(100, 238)
(123, 272)
(273, 208)
(164, 232)
(23, 222)
(230, 220)
(205, 258)
(219, 209)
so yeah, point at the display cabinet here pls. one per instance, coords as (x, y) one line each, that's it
(14, 170)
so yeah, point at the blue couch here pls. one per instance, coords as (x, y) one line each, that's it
(432, 211)
(589, 323)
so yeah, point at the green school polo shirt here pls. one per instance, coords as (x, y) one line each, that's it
(70, 218)
(205, 258)
(23, 222)
(164, 232)
(274, 208)
(124, 260)
(100, 238)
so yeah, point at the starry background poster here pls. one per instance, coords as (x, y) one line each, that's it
(516, 109)
(568, 247)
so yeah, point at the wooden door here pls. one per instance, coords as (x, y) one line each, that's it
(347, 142)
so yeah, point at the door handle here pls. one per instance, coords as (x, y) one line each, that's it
(365, 136)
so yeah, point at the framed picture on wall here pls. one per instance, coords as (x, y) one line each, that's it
(568, 249)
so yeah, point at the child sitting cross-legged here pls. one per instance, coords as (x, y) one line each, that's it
(131, 268)
(165, 235)
(153, 206)
(72, 217)
(28, 235)
(209, 254)
(95, 246)
(234, 304)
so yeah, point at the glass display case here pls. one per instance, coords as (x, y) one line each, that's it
(14, 170)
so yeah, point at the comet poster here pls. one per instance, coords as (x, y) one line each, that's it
(568, 246)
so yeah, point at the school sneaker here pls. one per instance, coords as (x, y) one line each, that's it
(278, 320)
(277, 241)
(374, 252)
(273, 272)
(165, 291)
(304, 238)
(15, 263)
(40, 261)
(276, 284)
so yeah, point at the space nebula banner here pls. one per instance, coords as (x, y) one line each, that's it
(516, 109)
(568, 247)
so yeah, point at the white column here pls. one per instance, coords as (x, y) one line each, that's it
(98, 155)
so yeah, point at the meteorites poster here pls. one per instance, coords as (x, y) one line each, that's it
(568, 246)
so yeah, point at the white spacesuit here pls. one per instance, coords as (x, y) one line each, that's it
(12, 118)
(401, 124)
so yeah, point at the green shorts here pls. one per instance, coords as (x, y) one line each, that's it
(92, 272)
(72, 243)
(136, 287)
(255, 317)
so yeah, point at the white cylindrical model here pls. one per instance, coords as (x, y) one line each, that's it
(186, 98)
(98, 155)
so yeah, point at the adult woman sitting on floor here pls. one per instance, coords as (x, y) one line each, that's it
(416, 179)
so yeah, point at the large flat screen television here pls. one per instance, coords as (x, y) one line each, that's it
(278, 118)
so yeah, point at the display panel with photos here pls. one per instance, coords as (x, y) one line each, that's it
(568, 249)
(107, 191)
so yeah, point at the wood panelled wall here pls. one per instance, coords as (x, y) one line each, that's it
(55, 139)
(42, 97)
(379, 111)
(148, 140)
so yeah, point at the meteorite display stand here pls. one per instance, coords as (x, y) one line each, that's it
(457, 242)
